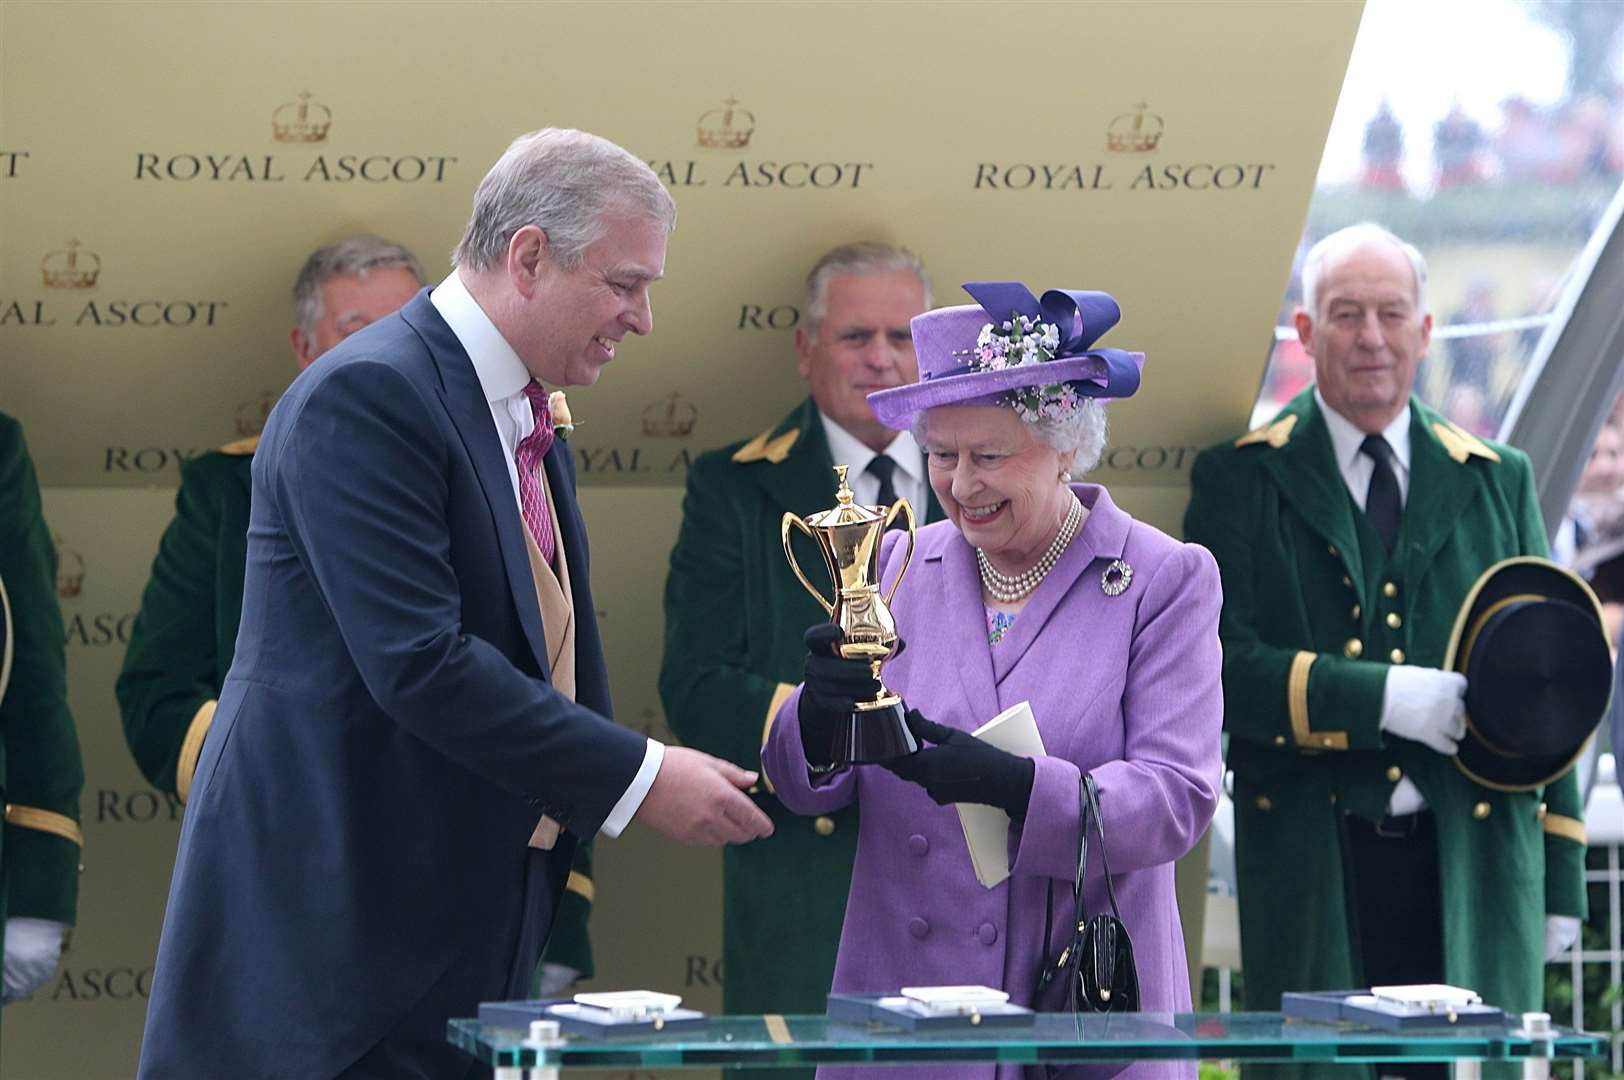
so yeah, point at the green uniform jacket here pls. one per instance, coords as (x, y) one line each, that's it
(186, 634)
(734, 617)
(41, 774)
(1310, 626)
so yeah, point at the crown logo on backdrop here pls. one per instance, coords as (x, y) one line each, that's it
(70, 268)
(302, 121)
(727, 128)
(1137, 132)
(251, 415)
(671, 418)
(70, 570)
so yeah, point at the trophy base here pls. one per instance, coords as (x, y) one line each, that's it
(876, 731)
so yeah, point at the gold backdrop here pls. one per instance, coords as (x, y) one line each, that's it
(164, 168)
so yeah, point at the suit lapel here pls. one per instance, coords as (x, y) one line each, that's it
(1306, 472)
(1103, 536)
(471, 415)
(1440, 489)
(965, 627)
(804, 481)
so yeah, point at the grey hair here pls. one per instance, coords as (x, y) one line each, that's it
(1351, 237)
(354, 257)
(862, 257)
(566, 183)
(1081, 432)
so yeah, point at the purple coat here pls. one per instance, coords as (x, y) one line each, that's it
(1126, 687)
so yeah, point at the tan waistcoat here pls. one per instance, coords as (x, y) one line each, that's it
(558, 623)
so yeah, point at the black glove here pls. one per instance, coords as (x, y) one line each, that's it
(834, 686)
(961, 768)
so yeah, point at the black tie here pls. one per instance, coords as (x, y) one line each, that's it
(1382, 505)
(882, 468)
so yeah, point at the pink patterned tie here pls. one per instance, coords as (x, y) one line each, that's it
(531, 449)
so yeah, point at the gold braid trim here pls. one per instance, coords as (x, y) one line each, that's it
(1565, 827)
(30, 817)
(580, 885)
(1297, 708)
(780, 693)
(191, 747)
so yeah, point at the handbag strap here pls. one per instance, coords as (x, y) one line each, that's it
(1091, 799)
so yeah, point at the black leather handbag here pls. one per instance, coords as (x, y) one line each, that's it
(1097, 965)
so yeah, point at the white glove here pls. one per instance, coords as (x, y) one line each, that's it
(1426, 705)
(33, 947)
(556, 977)
(1561, 931)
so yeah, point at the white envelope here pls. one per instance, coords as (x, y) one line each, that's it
(986, 828)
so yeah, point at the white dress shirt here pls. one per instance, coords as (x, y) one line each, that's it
(1357, 467)
(503, 377)
(909, 478)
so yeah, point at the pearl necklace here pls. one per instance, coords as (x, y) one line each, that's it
(1009, 589)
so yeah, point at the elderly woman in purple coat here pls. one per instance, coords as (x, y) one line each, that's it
(1035, 589)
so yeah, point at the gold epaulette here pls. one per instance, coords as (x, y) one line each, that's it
(1461, 444)
(241, 447)
(763, 448)
(1276, 434)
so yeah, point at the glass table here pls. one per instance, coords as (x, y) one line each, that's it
(769, 1041)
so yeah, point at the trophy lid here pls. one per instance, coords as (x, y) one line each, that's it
(845, 511)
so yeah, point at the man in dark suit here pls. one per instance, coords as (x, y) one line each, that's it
(732, 654)
(414, 731)
(186, 633)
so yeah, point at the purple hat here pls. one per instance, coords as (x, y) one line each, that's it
(1010, 348)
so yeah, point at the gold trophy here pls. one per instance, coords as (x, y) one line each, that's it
(849, 536)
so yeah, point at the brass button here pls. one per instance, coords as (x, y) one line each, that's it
(1542, 811)
(1389, 590)
(1393, 620)
(1332, 549)
(824, 826)
(1264, 803)
(1396, 656)
(1348, 581)
(1394, 774)
(1327, 742)
(1356, 610)
(1279, 740)
(1480, 811)
(1353, 649)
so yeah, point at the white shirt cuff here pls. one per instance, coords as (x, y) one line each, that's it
(1406, 799)
(621, 815)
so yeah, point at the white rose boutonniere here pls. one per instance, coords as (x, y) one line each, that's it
(563, 423)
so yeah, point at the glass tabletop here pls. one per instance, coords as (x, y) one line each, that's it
(1053, 1037)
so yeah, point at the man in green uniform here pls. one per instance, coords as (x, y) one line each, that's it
(735, 614)
(1349, 530)
(183, 639)
(40, 771)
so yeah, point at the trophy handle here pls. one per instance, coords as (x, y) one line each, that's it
(901, 505)
(792, 520)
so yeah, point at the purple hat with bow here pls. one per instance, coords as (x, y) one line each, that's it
(1012, 348)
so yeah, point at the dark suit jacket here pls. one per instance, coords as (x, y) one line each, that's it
(185, 636)
(353, 866)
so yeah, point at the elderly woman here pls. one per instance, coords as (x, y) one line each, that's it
(1035, 589)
